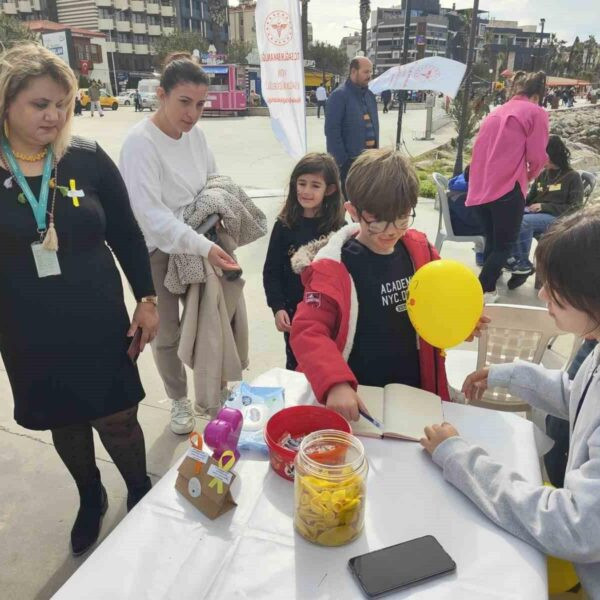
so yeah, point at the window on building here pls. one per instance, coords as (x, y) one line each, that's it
(153, 20)
(96, 53)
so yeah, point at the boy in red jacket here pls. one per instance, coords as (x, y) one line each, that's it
(352, 326)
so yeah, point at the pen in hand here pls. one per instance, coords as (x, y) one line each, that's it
(370, 419)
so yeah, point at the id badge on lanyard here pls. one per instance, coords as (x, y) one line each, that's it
(46, 261)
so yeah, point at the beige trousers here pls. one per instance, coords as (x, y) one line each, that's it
(166, 343)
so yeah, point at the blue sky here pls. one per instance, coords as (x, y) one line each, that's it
(567, 18)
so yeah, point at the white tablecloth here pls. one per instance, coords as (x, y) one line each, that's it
(167, 549)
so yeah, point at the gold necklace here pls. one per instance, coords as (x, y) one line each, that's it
(30, 157)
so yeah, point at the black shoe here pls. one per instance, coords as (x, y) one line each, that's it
(517, 280)
(135, 494)
(93, 505)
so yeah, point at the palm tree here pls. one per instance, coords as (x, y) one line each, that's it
(365, 13)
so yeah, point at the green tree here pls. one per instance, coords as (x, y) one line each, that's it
(179, 41)
(328, 58)
(475, 111)
(13, 31)
(238, 51)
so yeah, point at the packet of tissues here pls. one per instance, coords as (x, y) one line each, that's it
(257, 405)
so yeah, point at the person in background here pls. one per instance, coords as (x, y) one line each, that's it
(386, 98)
(563, 522)
(94, 94)
(352, 124)
(63, 323)
(137, 101)
(509, 151)
(556, 191)
(321, 100)
(165, 161)
(78, 107)
(313, 209)
(465, 220)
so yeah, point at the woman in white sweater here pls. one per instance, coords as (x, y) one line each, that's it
(561, 522)
(165, 162)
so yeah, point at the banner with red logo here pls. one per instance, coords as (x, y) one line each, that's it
(279, 37)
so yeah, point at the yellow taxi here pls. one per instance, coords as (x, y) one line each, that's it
(106, 100)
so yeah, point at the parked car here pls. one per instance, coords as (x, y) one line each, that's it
(106, 100)
(149, 100)
(126, 98)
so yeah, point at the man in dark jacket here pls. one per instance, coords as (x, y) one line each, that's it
(352, 124)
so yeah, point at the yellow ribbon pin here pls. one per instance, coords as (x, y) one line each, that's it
(73, 188)
(224, 466)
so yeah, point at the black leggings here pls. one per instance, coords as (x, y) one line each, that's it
(123, 439)
(501, 221)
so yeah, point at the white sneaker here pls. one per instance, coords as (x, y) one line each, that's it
(490, 297)
(182, 417)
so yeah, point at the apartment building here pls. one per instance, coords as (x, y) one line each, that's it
(193, 15)
(29, 10)
(130, 26)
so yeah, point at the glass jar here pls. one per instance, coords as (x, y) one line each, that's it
(330, 488)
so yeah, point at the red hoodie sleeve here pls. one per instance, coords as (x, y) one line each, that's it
(313, 341)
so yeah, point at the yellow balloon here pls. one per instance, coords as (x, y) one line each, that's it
(444, 302)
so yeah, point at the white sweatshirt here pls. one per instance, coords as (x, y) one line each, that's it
(561, 522)
(163, 176)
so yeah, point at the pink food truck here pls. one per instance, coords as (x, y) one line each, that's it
(227, 91)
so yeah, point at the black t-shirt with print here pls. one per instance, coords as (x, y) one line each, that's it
(385, 344)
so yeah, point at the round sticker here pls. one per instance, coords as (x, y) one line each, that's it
(194, 487)
(278, 28)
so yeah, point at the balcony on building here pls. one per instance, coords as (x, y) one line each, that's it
(9, 8)
(166, 11)
(139, 28)
(24, 6)
(111, 46)
(104, 3)
(137, 6)
(154, 30)
(37, 5)
(122, 4)
(125, 48)
(153, 8)
(106, 24)
(141, 49)
(123, 26)
(168, 30)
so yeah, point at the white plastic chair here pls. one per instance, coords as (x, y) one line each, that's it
(515, 332)
(445, 231)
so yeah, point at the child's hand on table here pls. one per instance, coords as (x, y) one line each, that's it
(481, 326)
(475, 385)
(343, 399)
(436, 434)
(282, 321)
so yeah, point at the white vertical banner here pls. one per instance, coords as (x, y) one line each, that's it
(279, 37)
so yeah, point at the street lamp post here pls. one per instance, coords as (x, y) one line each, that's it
(365, 12)
(458, 165)
(402, 94)
(543, 22)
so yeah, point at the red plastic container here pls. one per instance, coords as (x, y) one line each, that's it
(297, 421)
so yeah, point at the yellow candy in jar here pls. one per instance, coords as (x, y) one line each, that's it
(330, 490)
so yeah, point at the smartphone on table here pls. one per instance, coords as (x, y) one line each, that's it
(397, 567)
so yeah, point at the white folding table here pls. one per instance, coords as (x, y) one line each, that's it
(166, 549)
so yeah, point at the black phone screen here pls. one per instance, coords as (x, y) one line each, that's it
(401, 565)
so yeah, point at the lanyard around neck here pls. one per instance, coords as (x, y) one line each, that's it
(38, 206)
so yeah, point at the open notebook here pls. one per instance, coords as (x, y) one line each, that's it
(404, 411)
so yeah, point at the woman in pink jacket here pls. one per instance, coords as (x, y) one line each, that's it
(509, 151)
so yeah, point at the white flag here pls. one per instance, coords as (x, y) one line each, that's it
(279, 37)
(434, 73)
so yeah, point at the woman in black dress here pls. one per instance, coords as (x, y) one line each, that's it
(63, 323)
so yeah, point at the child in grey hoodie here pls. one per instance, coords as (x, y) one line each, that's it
(561, 522)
